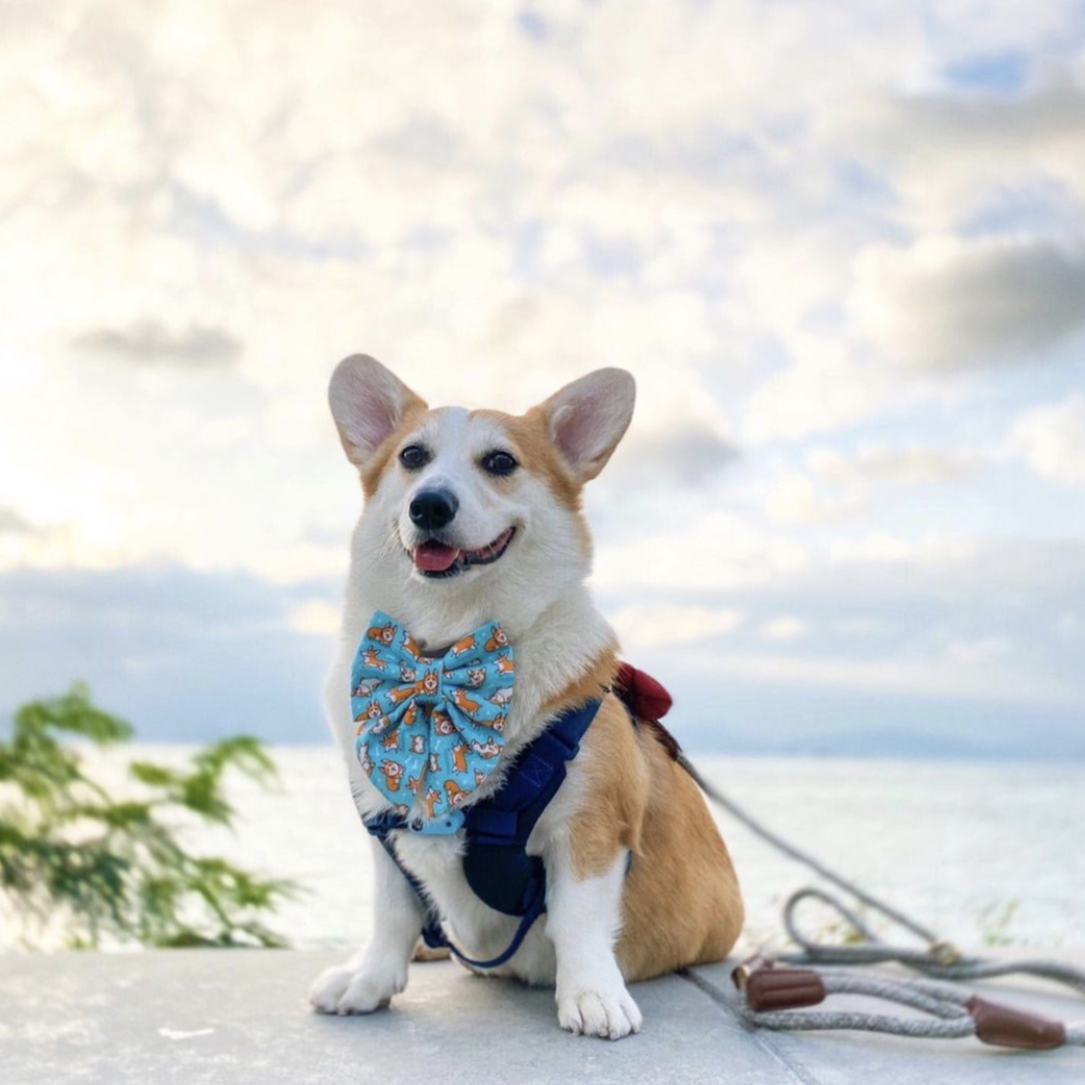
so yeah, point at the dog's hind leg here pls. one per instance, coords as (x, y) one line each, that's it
(368, 980)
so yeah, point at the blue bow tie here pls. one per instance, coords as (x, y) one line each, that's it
(430, 730)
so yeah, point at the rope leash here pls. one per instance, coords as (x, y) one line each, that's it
(776, 998)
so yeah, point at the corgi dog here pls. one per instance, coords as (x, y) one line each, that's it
(393, 773)
(373, 659)
(501, 697)
(456, 794)
(464, 703)
(459, 757)
(411, 648)
(382, 724)
(442, 724)
(473, 516)
(382, 634)
(399, 694)
(486, 749)
(462, 647)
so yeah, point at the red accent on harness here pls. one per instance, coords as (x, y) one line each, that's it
(646, 697)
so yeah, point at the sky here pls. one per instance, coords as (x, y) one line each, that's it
(840, 246)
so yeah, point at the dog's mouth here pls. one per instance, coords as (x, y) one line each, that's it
(437, 559)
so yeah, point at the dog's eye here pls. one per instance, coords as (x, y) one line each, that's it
(499, 463)
(413, 457)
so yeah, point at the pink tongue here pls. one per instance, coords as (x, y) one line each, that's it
(434, 557)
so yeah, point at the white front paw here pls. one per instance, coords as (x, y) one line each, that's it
(610, 1013)
(345, 990)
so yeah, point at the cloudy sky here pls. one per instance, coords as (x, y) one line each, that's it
(840, 245)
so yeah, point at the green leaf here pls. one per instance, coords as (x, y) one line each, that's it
(153, 775)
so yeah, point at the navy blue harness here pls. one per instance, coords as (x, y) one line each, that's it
(496, 829)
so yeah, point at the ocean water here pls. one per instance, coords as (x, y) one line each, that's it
(978, 852)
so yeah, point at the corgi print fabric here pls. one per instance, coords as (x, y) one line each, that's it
(430, 730)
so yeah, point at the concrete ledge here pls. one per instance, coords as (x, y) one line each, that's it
(237, 1017)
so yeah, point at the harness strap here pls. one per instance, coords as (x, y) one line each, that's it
(496, 829)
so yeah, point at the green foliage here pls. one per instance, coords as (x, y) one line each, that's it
(115, 869)
(996, 919)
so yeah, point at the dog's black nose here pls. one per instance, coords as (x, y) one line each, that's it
(433, 509)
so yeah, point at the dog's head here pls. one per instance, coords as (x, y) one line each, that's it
(474, 512)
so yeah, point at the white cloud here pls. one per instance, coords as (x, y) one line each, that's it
(649, 626)
(785, 628)
(148, 343)
(838, 486)
(979, 650)
(793, 498)
(1052, 440)
(949, 303)
(881, 547)
(908, 465)
(12, 523)
(826, 389)
(237, 195)
(950, 675)
(715, 550)
(316, 616)
(683, 455)
(950, 151)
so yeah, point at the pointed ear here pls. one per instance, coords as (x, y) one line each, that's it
(588, 418)
(368, 401)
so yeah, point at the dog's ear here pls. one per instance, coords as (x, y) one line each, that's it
(368, 401)
(588, 418)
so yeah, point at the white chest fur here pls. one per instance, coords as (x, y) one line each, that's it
(551, 653)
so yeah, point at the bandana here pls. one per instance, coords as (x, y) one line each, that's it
(430, 729)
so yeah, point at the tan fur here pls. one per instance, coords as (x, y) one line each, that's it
(409, 420)
(459, 757)
(681, 904)
(529, 441)
(422, 952)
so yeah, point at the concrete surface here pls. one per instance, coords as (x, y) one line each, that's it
(237, 1017)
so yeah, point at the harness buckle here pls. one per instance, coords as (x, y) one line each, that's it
(447, 825)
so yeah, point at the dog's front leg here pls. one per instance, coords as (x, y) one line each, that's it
(584, 917)
(368, 980)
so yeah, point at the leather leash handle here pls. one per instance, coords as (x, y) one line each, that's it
(1003, 1026)
(769, 988)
